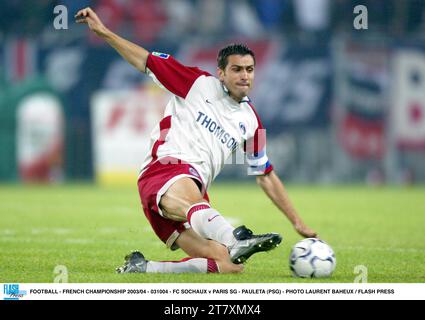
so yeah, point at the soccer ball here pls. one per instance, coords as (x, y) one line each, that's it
(312, 258)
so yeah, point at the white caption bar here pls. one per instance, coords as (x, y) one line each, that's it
(212, 291)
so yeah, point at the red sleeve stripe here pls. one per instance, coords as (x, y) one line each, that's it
(256, 144)
(175, 77)
(260, 125)
(164, 127)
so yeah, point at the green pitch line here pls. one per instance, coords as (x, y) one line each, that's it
(89, 229)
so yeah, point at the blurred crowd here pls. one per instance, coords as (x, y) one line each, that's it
(310, 50)
(152, 20)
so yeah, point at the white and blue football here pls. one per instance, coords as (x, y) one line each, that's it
(312, 258)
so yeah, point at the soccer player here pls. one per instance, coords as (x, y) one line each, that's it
(206, 120)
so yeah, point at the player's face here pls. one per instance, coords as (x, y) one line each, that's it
(238, 76)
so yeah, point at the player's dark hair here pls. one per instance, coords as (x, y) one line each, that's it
(239, 49)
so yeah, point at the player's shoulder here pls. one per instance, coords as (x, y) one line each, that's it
(208, 80)
(207, 85)
(252, 112)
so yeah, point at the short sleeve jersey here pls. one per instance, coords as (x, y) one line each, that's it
(202, 124)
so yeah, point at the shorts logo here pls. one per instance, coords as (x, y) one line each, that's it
(242, 127)
(193, 171)
(161, 55)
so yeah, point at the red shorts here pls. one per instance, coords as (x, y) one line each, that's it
(153, 183)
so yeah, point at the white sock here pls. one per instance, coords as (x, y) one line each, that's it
(210, 224)
(187, 265)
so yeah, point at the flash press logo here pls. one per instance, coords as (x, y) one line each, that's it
(12, 292)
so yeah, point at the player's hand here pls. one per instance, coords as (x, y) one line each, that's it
(305, 231)
(87, 15)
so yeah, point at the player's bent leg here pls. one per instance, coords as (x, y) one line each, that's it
(135, 262)
(181, 195)
(206, 256)
(196, 246)
(183, 201)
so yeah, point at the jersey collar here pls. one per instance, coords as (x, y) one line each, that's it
(244, 99)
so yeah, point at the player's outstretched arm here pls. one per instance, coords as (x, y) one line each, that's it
(134, 54)
(273, 187)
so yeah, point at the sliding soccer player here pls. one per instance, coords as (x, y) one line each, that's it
(205, 122)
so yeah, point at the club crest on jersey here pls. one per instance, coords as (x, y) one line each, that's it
(242, 127)
(161, 55)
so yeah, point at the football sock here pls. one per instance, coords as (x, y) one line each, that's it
(210, 224)
(187, 265)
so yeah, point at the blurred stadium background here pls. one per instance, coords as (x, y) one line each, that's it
(341, 106)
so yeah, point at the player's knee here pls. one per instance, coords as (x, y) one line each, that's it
(176, 204)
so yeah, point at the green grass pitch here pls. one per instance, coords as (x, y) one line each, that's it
(89, 229)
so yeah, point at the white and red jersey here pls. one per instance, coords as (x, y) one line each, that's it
(202, 124)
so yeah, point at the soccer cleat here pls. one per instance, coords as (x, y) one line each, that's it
(135, 262)
(247, 244)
